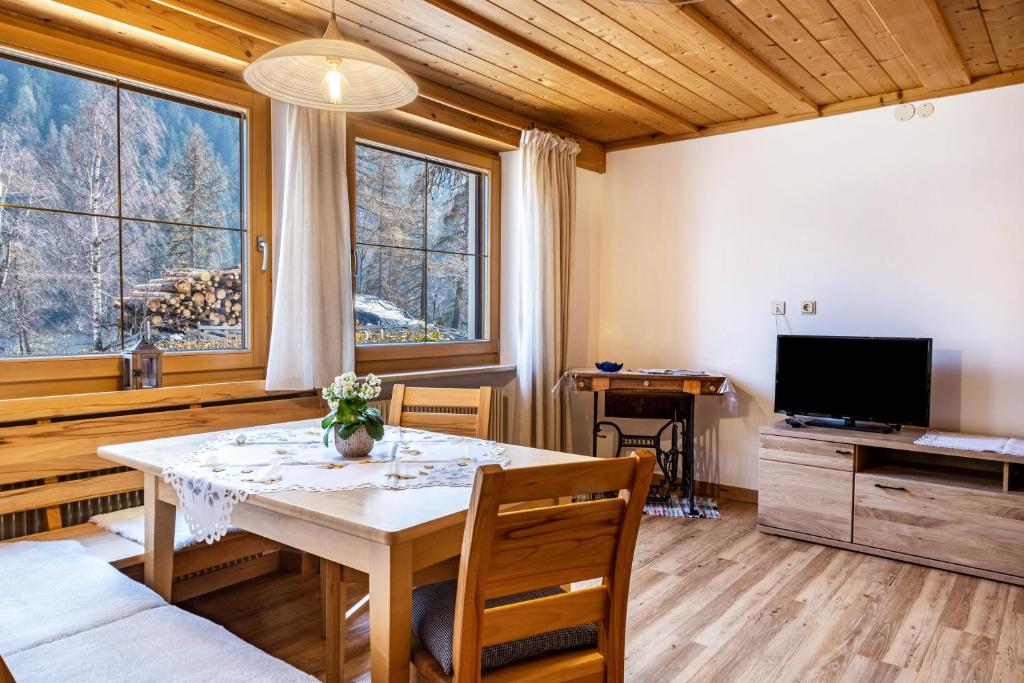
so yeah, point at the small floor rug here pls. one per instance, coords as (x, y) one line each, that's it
(707, 508)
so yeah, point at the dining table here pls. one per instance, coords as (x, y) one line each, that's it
(388, 534)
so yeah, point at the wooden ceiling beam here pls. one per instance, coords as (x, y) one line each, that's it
(592, 155)
(176, 25)
(658, 114)
(920, 30)
(861, 104)
(236, 37)
(721, 49)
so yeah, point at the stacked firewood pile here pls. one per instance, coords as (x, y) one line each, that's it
(181, 300)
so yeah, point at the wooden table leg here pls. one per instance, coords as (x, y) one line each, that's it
(334, 598)
(390, 612)
(159, 558)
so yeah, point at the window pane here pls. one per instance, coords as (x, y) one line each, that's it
(451, 209)
(389, 286)
(186, 283)
(58, 140)
(180, 163)
(452, 285)
(59, 284)
(390, 200)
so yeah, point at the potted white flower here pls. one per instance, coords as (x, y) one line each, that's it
(356, 425)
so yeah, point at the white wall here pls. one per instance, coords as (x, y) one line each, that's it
(912, 229)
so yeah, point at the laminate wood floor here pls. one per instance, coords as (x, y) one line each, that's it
(718, 601)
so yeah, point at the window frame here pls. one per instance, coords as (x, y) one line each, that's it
(36, 376)
(409, 356)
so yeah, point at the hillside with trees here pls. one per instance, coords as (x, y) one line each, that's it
(90, 209)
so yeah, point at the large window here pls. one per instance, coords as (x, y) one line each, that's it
(121, 210)
(421, 248)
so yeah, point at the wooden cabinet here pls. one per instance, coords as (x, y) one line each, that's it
(952, 519)
(830, 454)
(812, 500)
(888, 496)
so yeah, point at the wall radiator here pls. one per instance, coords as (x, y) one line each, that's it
(18, 524)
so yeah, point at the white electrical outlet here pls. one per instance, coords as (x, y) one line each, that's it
(778, 308)
(808, 307)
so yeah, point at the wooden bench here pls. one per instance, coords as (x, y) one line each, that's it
(48, 461)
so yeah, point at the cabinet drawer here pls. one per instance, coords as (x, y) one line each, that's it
(831, 454)
(811, 500)
(969, 526)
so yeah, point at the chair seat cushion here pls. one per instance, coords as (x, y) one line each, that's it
(53, 589)
(433, 620)
(159, 644)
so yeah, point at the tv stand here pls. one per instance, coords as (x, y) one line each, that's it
(885, 495)
(844, 423)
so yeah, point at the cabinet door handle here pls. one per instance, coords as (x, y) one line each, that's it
(844, 451)
(890, 488)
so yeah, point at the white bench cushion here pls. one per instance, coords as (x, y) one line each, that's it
(53, 589)
(159, 644)
(130, 523)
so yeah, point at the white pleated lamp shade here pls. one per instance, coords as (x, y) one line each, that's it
(331, 73)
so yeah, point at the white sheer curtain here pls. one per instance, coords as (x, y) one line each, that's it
(312, 336)
(547, 221)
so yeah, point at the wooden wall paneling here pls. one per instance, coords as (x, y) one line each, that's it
(50, 407)
(863, 21)
(693, 39)
(576, 22)
(921, 32)
(530, 57)
(1005, 22)
(822, 20)
(78, 439)
(772, 17)
(53, 494)
(967, 25)
(747, 34)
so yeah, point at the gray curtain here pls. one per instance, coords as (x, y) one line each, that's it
(547, 215)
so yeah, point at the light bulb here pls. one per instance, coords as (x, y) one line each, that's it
(334, 83)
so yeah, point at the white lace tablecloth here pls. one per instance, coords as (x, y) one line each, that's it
(226, 470)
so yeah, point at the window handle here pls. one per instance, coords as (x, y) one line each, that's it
(261, 246)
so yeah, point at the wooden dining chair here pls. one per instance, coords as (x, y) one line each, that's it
(463, 412)
(5, 673)
(507, 606)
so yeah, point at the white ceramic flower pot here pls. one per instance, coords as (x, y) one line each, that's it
(358, 445)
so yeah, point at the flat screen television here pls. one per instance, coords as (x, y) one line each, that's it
(854, 379)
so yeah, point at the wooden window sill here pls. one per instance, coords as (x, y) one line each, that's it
(503, 373)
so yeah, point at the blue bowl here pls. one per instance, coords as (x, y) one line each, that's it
(608, 366)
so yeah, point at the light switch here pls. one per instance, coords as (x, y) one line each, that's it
(778, 308)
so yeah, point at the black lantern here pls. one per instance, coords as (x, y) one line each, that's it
(143, 364)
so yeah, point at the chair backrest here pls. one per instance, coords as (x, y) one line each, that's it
(49, 443)
(511, 552)
(463, 412)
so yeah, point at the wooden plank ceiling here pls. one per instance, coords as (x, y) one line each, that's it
(612, 73)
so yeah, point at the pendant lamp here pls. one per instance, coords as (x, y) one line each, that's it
(331, 73)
